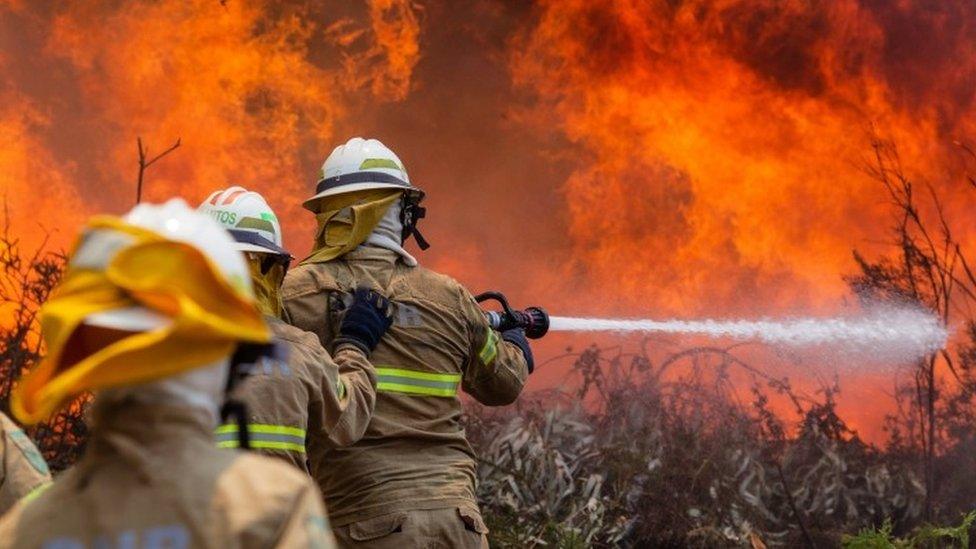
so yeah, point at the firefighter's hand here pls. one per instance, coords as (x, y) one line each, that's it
(365, 321)
(516, 336)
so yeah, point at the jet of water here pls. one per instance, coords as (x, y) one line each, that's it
(902, 333)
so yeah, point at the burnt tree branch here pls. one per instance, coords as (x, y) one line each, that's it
(144, 164)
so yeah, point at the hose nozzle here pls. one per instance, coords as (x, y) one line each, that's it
(534, 320)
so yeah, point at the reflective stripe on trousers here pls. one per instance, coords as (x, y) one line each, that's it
(267, 437)
(413, 382)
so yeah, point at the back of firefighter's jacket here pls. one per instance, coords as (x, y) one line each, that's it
(153, 477)
(414, 454)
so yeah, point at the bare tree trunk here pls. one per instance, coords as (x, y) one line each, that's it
(144, 164)
(930, 457)
(930, 271)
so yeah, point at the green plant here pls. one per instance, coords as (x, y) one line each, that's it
(925, 536)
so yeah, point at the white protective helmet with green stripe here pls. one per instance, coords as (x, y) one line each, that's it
(362, 164)
(248, 218)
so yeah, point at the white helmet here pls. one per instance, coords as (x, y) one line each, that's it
(362, 164)
(174, 220)
(248, 218)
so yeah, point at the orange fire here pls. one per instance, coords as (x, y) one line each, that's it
(724, 142)
(597, 156)
(252, 89)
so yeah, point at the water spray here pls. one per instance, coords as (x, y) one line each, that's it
(883, 333)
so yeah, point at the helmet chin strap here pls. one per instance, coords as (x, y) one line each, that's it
(410, 213)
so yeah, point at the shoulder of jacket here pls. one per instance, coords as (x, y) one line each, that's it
(7, 424)
(309, 278)
(437, 284)
(256, 486)
(40, 509)
(10, 524)
(304, 348)
(294, 335)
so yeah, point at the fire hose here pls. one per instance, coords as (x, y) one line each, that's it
(534, 320)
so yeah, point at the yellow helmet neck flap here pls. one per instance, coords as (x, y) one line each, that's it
(116, 266)
(346, 220)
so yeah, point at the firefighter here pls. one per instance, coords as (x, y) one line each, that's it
(156, 315)
(410, 481)
(298, 408)
(24, 471)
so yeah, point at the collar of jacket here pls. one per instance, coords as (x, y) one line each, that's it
(374, 254)
(145, 436)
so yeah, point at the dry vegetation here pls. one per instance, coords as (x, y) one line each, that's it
(638, 458)
(683, 462)
(26, 280)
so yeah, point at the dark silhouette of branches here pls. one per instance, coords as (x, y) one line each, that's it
(26, 281)
(931, 271)
(144, 164)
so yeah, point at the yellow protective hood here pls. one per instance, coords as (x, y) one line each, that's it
(207, 317)
(346, 220)
(266, 286)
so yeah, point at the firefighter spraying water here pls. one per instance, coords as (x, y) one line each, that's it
(156, 310)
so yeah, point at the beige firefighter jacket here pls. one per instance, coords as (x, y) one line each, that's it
(300, 408)
(414, 454)
(152, 476)
(24, 469)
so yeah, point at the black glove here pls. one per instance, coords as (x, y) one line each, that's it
(516, 336)
(365, 321)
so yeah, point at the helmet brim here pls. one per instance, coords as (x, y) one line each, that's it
(310, 203)
(128, 319)
(243, 247)
(248, 241)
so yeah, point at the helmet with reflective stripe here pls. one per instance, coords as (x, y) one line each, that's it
(247, 216)
(362, 164)
(174, 220)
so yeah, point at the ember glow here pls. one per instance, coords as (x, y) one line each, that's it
(614, 157)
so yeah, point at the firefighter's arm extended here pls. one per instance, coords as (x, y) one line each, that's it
(348, 389)
(497, 366)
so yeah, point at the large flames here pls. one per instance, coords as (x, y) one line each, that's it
(253, 89)
(724, 142)
(653, 158)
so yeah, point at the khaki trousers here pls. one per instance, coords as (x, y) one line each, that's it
(448, 528)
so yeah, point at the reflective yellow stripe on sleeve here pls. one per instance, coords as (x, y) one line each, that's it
(38, 490)
(413, 382)
(489, 350)
(263, 437)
